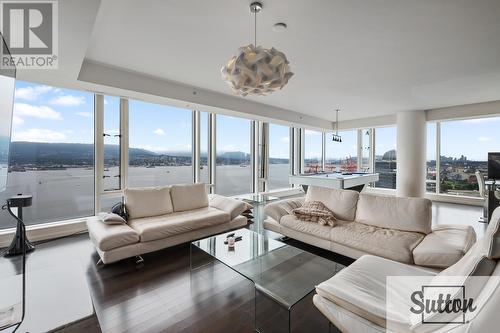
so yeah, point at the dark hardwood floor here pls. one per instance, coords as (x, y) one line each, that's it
(161, 295)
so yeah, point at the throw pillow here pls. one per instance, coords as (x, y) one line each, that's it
(111, 218)
(315, 211)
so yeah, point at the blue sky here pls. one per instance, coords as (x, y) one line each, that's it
(48, 114)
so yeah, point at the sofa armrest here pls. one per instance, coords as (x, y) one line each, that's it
(276, 210)
(110, 236)
(444, 246)
(229, 205)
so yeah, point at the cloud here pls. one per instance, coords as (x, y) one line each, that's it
(285, 139)
(68, 100)
(17, 120)
(159, 131)
(483, 139)
(32, 93)
(309, 132)
(39, 135)
(85, 114)
(43, 112)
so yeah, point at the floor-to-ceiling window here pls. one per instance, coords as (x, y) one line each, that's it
(431, 166)
(279, 156)
(160, 145)
(233, 170)
(464, 150)
(342, 156)
(52, 153)
(385, 156)
(112, 140)
(204, 148)
(313, 141)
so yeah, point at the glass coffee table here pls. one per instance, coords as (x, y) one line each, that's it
(284, 277)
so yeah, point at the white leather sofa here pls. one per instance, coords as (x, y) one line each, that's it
(160, 217)
(399, 229)
(354, 300)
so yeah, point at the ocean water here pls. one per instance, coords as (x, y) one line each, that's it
(66, 194)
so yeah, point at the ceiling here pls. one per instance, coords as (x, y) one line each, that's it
(368, 57)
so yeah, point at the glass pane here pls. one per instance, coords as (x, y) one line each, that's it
(464, 150)
(111, 143)
(365, 150)
(312, 151)
(279, 156)
(385, 156)
(233, 171)
(52, 154)
(431, 158)
(204, 147)
(160, 145)
(342, 156)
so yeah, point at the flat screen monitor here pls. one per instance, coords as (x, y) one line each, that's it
(493, 165)
(7, 86)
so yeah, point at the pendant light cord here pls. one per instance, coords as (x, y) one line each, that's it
(255, 29)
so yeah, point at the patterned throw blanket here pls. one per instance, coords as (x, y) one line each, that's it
(315, 211)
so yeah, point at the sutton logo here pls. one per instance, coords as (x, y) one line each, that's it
(453, 301)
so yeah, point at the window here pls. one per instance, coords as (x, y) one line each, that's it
(385, 156)
(313, 141)
(160, 145)
(52, 154)
(204, 178)
(365, 150)
(233, 171)
(464, 150)
(342, 156)
(112, 139)
(279, 156)
(431, 158)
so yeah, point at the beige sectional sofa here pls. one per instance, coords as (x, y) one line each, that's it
(354, 300)
(399, 229)
(161, 217)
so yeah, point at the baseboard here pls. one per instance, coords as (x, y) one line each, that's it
(46, 231)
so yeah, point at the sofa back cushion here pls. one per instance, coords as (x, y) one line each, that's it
(492, 235)
(189, 196)
(407, 214)
(148, 201)
(341, 202)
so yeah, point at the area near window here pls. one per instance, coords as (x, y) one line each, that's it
(385, 156)
(342, 156)
(160, 145)
(313, 141)
(52, 153)
(233, 171)
(279, 156)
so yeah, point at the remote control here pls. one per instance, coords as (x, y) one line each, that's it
(230, 235)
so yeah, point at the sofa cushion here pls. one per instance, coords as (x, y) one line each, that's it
(229, 205)
(276, 210)
(407, 214)
(492, 235)
(313, 229)
(444, 246)
(361, 288)
(388, 243)
(341, 202)
(107, 237)
(159, 227)
(148, 201)
(189, 196)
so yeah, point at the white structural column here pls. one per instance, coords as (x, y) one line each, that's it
(411, 151)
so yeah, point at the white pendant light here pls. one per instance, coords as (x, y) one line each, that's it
(255, 70)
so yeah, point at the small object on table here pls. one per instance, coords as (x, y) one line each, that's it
(230, 242)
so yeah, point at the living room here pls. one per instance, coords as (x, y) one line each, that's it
(239, 166)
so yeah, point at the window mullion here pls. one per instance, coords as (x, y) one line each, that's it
(98, 150)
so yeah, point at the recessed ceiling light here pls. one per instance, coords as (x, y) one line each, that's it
(279, 27)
